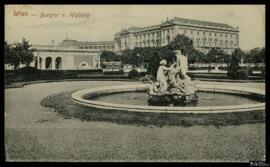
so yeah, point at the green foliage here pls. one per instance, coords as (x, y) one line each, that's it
(153, 55)
(27, 70)
(134, 74)
(120, 72)
(109, 56)
(215, 55)
(183, 43)
(256, 55)
(234, 71)
(19, 53)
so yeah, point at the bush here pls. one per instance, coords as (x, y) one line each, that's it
(200, 68)
(239, 74)
(9, 77)
(143, 73)
(120, 72)
(250, 72)
(26, 74)
(52, 74)
(263, 72)
(27, 70)
(134, 74)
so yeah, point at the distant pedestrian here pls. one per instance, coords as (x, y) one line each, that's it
(209, 69)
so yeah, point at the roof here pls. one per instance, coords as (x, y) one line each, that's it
(199, 22)
(178, 20)
(69, 42)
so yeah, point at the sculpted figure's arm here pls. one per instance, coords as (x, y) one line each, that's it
(165, 68)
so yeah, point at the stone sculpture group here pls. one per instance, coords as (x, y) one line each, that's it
(173, 79)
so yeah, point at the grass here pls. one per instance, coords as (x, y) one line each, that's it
(64, 106)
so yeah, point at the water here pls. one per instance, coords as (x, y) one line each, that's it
(204, 99)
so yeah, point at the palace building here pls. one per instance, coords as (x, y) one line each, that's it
(74, 55)
(205, 35)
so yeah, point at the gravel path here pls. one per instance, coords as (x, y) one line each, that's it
(34, 133)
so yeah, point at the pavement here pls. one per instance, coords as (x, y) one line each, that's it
(36, 133)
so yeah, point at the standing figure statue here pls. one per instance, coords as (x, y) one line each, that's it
(184, 83)
(182, 63)
(161, 77)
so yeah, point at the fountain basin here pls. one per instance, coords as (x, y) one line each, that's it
(82, 97)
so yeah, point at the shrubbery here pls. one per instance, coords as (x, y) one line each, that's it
(263, 72)
(27, 70)
(239, 74)
(32, 74)
(27, 74)
(120, 72)
(143, 74)
(134, 74)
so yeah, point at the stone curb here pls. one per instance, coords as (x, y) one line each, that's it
(78, 98)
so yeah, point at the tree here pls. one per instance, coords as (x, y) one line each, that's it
(215, 55)
(19, 53)
(26, 52)
(256, 55)
(233, 66)
(183, 43)
(153, 65)
(11, 55)
(8, 53)
(109, 56)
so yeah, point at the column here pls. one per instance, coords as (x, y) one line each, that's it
(161, 37)
(53, 63)
(37, 62)
(43, 63)
(171, 36)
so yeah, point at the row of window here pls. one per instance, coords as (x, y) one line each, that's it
(147, 43)
(212, 39)
(214, 44)
(168, 38)
(96, 47)
(198, 32)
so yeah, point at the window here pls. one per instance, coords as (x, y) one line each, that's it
(191, 31)
(209, 33)
(198, 32)
(215, 34)
(204, 33)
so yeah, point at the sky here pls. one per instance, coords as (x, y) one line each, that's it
(101, 22)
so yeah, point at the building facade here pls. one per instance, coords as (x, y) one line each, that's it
(205, 35)
(65, 58)
(73, 54)
(70, 55)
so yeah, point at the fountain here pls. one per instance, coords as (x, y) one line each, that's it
(173, 92)
(175, 87)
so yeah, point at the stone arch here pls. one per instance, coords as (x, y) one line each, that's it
(83, 65)
(58, 63)
(48, 63)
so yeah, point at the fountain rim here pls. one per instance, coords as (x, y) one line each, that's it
(77, 97)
